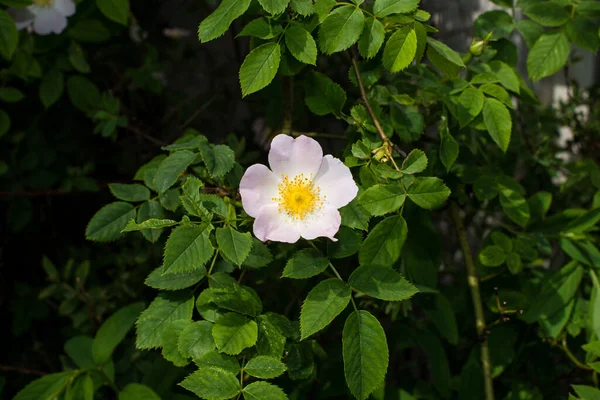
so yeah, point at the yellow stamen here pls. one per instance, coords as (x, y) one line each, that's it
(298, 197)
(43, 3)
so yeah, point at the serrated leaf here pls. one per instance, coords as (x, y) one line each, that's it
(400, 49)
(83, 93)
(174, 281)
(586, 392)
(470, 104)
(446, 52)
(531, 31)
(218, 22)
(259, 256)
(113, 330)
(492, 256)
(349, 241)
(507, 75)
(548, 13)
(355, 216)
(303, 7)
(196, 340)
(382, 283)
(234, 245)
(115, 10)
(274, 7)
(219, 360)
(498, 122)
(548, 56)
(428, 193)
(383, 8)
(171, 168)
(583, 33)
(301, 44)
(382, 199)
(323, 96)
(262, 29)
(265, 367)
(323, 303)
(371, 38)
(448, 149)
(259, 68)
(304, 264)
(129, 192)
(137, 391)
(498, 92)
(234, 332)
(106, 225)
(365, 353)
(9, 36)
(166, 308)
(212, 383)
(170, 338)
(46, 387)
(149, 224)
(415, 162)
(515, 207)
(234, 297)
(263, 390)
(149, 216)
(51, 87)
(187, 249)
(497, 22)
(384, 243)
(341, 29)
(218, 159)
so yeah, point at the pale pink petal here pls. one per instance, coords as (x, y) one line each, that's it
(270, 224)
(336, 182)
(258, 187)
(22, 17)
(65, 7)
(323, 223)
(292, 157)
(48, 21)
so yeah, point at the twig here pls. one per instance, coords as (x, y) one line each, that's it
(21, 370)
(473, 282)
(198, 111)
(149, 138)
(572, 357)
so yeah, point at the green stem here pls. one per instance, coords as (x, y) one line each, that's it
(212, 263)
(572, 357)
(473, 282)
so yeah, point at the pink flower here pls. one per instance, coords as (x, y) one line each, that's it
(47, 16)
(300, 195)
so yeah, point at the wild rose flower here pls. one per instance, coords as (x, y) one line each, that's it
(47, 16)
(300, 195)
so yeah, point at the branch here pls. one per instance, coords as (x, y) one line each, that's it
(473, 282)
(149, 138)
(21, 370)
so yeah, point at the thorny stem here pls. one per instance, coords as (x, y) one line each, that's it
(473, 282)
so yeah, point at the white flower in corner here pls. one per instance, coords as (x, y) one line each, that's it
(47, 16)
(300, 197)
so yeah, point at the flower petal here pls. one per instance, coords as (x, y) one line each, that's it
(22, 17)
(65, 7)
(258, 187)
(324, 223)
(270, 224)
(336, 182)
(292, 157)
(49, 20)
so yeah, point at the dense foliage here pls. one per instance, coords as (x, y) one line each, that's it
(465, 268)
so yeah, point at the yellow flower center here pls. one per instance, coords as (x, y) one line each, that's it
(43, 3)
(298, 197)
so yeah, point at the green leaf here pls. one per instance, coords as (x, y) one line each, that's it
(212, 383)
(241, 299)
(514, 263)
(11, 95)
(82, 388)
(507, 75)
(9, 36)
(170, 338)
(400, 49)
(187, 249)
(196, 340)
(148, 216)
(323, 303)
(497, 120)
(428, 193)
(303, 7)
(365, 353)
(448, 149)
(498, 22)
(323, 96)
(261, 28)
(323, 7)
(259, 68)
(149, 224)
(548, 56)
(106, 225)
(304, 264)
(371, 38)
(382, 283)
(137, 391)
(219, 159)
(166, 308)
(265, 367)
(492, 256)
(274, 7)
(415, 162)
(234, 332)
(113, 330)
(384, 243)
(515, 207)
(531, 31)
(219, 360)
(548, 13)
(170, 168)
(51, 87)
(446, 52)
(89, 31)
(382, 199)
(355, 216)
(341, 29)
(263, 391)
(442, 315)
(259, 256)
(218, 22)
(47, 387)
(115, 10)
(586, 392)
(502, 240)
(301, 44)
(498, 92)
(129, 192)
(79, 348)
(83, 93)
(271, 338)
(234, 245)
(383, 8)
(584, 222)
(582, 32)
(470, 104)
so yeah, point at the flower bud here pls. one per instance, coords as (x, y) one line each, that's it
(476, 48)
